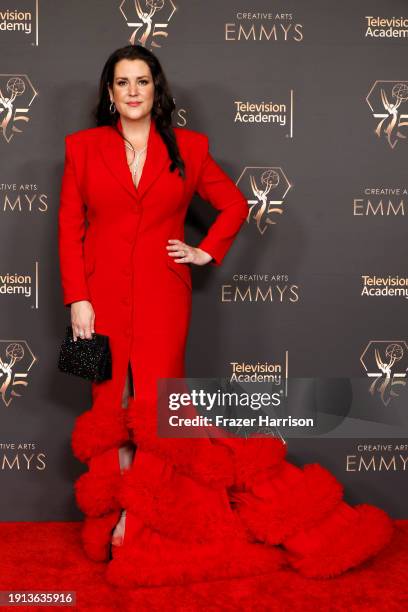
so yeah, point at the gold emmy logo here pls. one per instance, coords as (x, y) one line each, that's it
(146, 29)
(386, 361)
(15, 363)
(17, 86)
(385, 99)
(260, 183)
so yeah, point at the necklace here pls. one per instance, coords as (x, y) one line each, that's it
(134, 165)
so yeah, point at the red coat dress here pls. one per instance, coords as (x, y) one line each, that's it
(195, 508)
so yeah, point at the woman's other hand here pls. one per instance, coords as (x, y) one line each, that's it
(184, 253)
(82, 319)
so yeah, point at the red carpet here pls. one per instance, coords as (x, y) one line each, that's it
(48, 556)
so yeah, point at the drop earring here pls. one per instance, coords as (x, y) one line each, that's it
(112, 110)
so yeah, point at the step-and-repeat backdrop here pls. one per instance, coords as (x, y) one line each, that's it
(306, 108)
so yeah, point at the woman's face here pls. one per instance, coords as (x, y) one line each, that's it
(133, 89)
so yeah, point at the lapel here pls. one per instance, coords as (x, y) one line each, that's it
(114, 155)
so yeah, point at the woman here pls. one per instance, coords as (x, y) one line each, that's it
(167, 511)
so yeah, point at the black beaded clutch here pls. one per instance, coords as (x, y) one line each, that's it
(87, 358)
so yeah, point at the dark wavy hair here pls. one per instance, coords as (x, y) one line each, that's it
(163, 104)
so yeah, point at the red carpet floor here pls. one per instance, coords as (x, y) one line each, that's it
(49, 556)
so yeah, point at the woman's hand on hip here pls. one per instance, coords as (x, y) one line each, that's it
(184, 253)
(82, 319)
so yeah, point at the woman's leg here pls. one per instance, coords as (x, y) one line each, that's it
(126, 454)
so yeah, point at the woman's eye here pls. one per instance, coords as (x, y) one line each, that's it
(143, 81)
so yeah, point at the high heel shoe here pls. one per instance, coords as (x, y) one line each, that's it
(117, 540)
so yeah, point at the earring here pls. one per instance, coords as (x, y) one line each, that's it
(112, 110)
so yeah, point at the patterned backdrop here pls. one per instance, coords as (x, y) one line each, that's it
(306, 108)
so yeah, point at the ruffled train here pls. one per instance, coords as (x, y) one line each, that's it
(211, 508)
